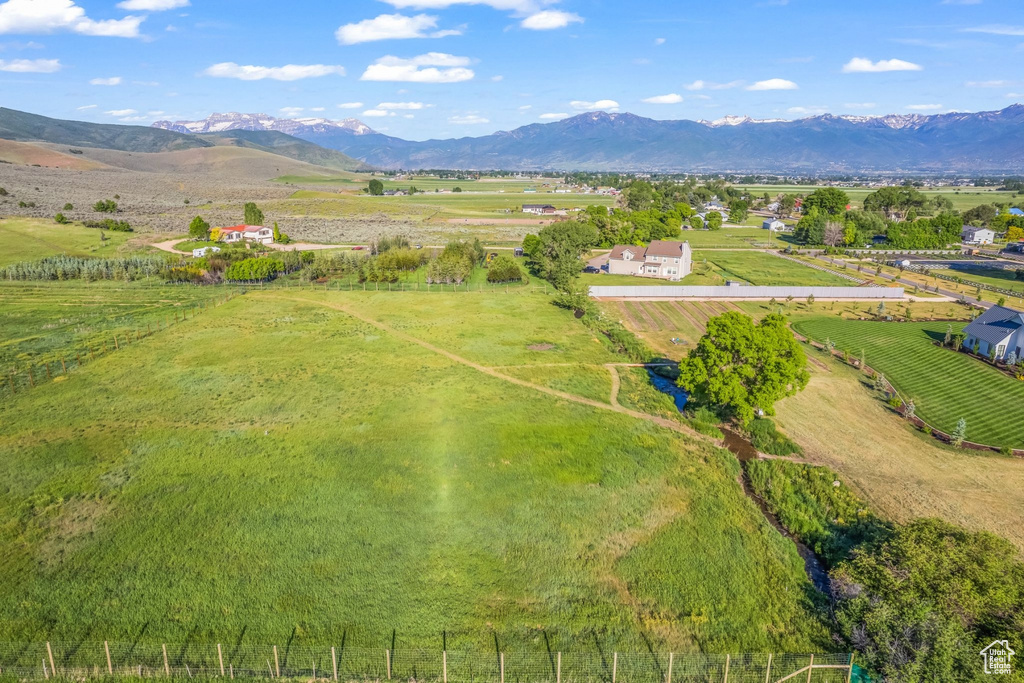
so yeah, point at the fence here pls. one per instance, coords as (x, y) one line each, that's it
(40, 661)
(923, 270)
(735, 292)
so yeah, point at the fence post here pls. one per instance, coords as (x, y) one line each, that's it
(334, 662)
(167, 664)
(558, 672)
(53, 667)
(768, 671)
(387, 662)
(615, 665)
(501, 662)
(810, 669)
(277, 664)
(116, 347)
(220, 657)
(849, 673)
(110, 665)
(444, 666)
(63, 366)
(668, 676)
(46, 674)
(31, 379)
(728, 659)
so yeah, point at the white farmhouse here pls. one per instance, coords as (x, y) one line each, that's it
(253, 233)
(972, 235)
(998, 329)
(774, 224)
(664, 260)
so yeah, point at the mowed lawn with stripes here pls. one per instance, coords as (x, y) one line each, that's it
(944, 385)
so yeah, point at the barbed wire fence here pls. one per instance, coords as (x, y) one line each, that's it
(95, 660)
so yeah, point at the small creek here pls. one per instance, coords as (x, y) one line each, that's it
(745, 452)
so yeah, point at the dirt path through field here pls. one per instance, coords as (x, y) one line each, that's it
(491, 372)
(614, 400)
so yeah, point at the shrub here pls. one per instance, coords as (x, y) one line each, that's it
(767, 439)
(61, 219)
(254, 269)
(27, 205)
(504, 269)
(69, 207)
(110, 224)
(105, 206)
(3, 192)
(895, 402)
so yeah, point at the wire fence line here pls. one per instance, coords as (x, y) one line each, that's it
(41, 661)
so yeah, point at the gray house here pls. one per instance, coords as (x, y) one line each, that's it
(998, 328)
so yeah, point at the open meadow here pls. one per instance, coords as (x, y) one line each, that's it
(945, 385)
(30, 239)
(963, 198)
(319, 467)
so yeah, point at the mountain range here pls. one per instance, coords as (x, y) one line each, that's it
(981, 142)
(33, 128)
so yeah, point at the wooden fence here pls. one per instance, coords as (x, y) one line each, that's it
(84, 661)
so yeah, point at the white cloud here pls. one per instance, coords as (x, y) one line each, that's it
(402, 105)
(860, 105)
(552, 117)
(526, 107)
(289, 72)
(350, 105)
(121, 112)
(807, 111)
(860, 65)
(659, 41)
(521, 6)
(1014, 95)
(375, 112)
(291, 111)
(989, 84)
(115, 80)
(671, 98)
(961, 2)
(318, 109)
(50, 16)
(86, 106)
(467, 120)
(497, 79)
(584, 105)
(550, 19)
(155, 113)
(152, 5)
(421, 69)
(709, 85)
(30, 66)
(774, 84)
(391, 27)
(924, 107)
(997, 30)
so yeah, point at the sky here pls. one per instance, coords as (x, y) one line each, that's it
(422, 69)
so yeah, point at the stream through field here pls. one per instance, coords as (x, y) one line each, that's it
(745, 452)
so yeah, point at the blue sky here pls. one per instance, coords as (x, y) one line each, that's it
(450, 68)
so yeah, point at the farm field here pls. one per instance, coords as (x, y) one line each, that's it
(761, 268)
(935, 378)
(45, 323)
(900, 471)
(429, 183)
(30, 239)
(321, 467)
(962, 198)
(1004, 279)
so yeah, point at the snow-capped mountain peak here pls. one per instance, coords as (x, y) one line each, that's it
(216, 123)
(736, 121)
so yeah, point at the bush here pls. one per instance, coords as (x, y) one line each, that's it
(3, 192)
(105, 206)
(69, 207)
(61, 219)
(767, 439)
(254, 269)
(110, 224)
(705, 421)
(504, 269)
(27, 205)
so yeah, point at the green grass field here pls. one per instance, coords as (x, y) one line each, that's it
(1004, 279)
(944, 385)
(311, 467)
(429, 183)
(759, 268)
(30, 239)
(962, 198)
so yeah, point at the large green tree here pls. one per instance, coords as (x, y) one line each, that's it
(714, 220)
(740, 367)
(895, 202)
(375, 188)
(738, 211)
(830, 201)
(253, 215)
(199, 229)
(556, 250)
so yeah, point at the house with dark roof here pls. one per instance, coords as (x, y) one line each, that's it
(973, 235)
(998, 329)
(659, 259)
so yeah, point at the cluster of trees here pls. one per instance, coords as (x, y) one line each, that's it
(891, 211)
(252, 213)
(89, 269)
(199, 229)
(257, 269)
(105, 206)
(635, 226)
(741, 368)
(554, 253)
(455, 262)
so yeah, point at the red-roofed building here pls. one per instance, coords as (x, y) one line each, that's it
(255, 233)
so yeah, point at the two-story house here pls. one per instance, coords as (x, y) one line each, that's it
(659, 259)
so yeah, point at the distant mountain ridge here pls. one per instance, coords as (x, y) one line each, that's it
(26, 127)
(982, 142)
(218, 123)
